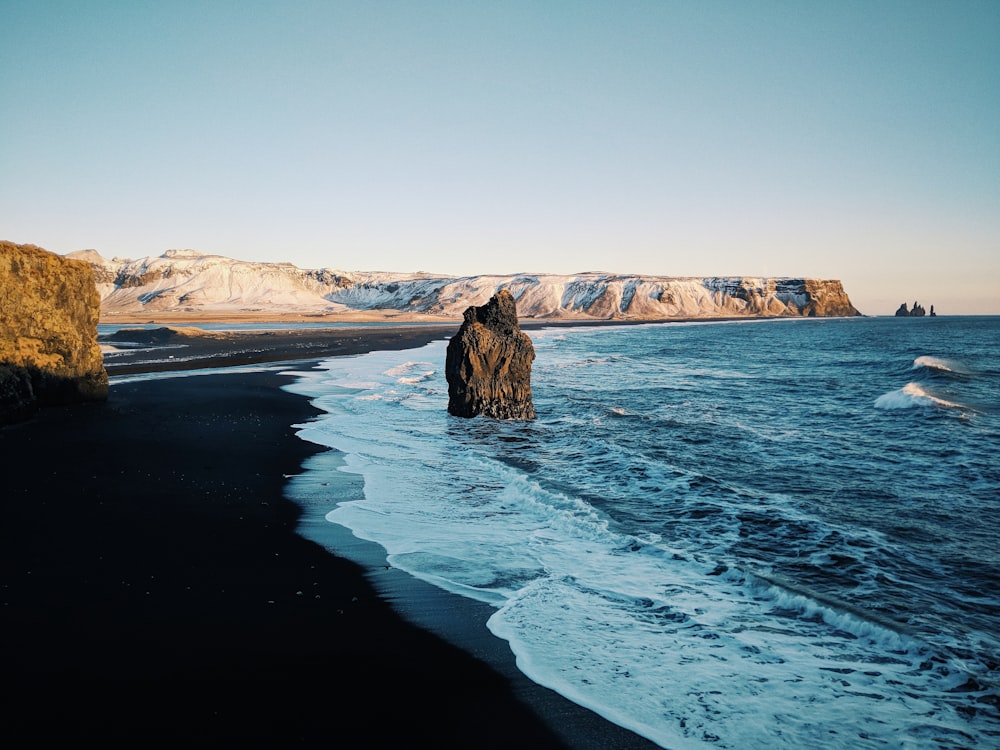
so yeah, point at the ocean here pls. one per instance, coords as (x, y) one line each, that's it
(758, 534)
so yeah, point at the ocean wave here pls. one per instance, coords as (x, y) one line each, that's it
(411, 373)
(911, 396)
(653, 538)
(798, 601)
(406, 367)
(941, 365)
(420, 378)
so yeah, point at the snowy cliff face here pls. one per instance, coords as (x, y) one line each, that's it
(188, 281)
(185, 280)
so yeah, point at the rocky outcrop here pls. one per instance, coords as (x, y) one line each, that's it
(917, 311)
(49, 354)
(488, 364)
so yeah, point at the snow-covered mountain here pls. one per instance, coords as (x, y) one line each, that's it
(188, 281)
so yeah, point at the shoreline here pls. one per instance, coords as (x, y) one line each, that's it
(458, 620)
(389, 318)
(176, 346)
(164, 349)
(156, 588)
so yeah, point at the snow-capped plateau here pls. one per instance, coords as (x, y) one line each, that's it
(187, 281)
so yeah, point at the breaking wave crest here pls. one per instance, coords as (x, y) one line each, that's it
(410, 373)
(912, 396)
(941, 365)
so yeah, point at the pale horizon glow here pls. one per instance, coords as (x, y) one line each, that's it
(857, 141)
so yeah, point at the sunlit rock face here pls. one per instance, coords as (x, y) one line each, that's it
(188, 281)
(49, 306)
(488, 364)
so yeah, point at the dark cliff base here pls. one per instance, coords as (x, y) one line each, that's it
(153, 593)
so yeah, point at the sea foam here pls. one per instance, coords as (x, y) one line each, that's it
(651, 555)
(940, 364)
(912, 395)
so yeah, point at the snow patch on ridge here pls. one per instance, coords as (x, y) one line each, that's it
(190, 281)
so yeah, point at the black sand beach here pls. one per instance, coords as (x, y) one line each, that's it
(153, 591)
(187, 347)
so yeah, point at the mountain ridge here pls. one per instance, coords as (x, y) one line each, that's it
(192, 282)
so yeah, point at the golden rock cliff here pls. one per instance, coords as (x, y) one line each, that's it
(49, 306)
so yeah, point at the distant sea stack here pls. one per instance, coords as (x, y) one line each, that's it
(917, 311)
(49, 354)
(488, 365)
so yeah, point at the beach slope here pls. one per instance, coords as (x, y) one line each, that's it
(154, 591)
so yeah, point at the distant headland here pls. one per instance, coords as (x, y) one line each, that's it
(186, 283)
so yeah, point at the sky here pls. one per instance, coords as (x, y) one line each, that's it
(851, 140)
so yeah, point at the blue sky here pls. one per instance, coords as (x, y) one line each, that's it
(850, 140)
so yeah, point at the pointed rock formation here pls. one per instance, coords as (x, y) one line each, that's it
(917, 311)
(488, 365)
(49, 353)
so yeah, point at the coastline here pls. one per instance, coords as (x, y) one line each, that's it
(178, 350)
(179, 344)
(155, 588)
